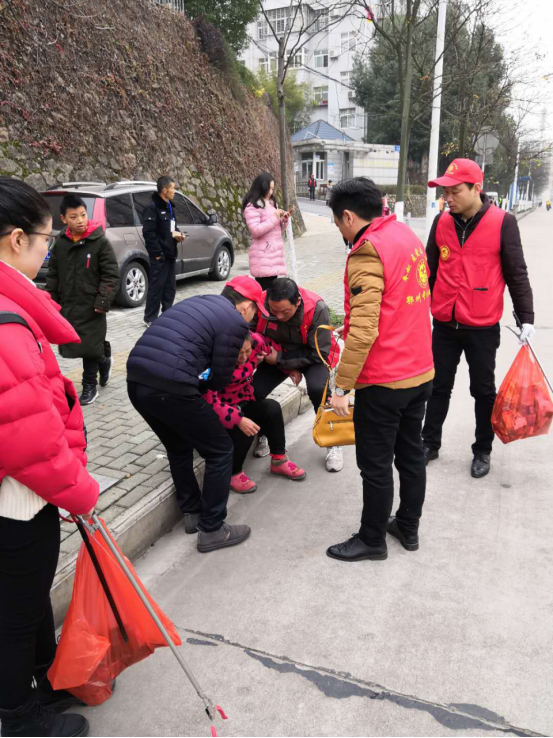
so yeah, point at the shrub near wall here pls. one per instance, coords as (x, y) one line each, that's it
(127, 93)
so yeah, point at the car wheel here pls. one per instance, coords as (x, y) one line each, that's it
(133, 286)
(221, 268)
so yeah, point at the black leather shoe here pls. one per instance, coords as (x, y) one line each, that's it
(480, 465)
(409, 541)
(105, 370)
(430, 454)
(355, 550)
(191, 521)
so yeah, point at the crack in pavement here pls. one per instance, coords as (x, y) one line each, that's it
(341, 685)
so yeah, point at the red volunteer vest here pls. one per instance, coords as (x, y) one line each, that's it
(403, 348)
(470, 285)
(310, 300)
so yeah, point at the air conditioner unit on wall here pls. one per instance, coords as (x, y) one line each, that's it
(334, 53)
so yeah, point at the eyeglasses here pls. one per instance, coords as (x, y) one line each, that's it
(50, 236)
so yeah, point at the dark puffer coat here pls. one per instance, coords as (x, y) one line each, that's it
(83, 276)
(204, 332)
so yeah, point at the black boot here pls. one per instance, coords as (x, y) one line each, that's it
(57, 700)
(480, 465)
(31, 719)
(105, 365)
(89, 394)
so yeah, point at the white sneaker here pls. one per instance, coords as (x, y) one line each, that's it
(334, 459)
(262, 448)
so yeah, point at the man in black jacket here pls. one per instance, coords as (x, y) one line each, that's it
(195, 342)
(162, 237)
(473, 252)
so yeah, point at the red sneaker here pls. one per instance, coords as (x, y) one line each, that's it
(286, 468)
(242, 484)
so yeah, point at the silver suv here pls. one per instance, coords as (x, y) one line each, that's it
(119, 207)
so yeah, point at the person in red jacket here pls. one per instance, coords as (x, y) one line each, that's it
(387, 359)
(42, 467)
(473, 251)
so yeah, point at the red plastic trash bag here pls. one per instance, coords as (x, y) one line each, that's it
(523, 406)
(91, 651)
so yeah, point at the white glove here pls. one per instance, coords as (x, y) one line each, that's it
(527, 332)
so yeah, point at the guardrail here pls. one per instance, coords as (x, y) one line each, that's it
(177, 6)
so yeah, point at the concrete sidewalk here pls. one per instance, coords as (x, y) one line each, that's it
(453, 639)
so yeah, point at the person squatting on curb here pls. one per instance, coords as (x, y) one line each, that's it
(42, 466)
(387, 359)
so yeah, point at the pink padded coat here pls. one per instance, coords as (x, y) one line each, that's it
(267, 258)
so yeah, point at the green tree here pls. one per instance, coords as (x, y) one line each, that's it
(297, 98)
(230, 16)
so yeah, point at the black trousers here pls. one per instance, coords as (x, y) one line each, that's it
(388, 430)
(480, 349)
(265, 282)
(311, 193)
(29, 552)
(183, 424)
(268, 416)
(267, 377)
(162, 287)
(91, 367)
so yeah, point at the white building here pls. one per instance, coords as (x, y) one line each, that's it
(326, 60)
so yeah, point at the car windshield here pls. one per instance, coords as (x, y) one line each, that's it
(54, 201)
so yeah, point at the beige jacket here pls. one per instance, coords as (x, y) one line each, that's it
(366, 277)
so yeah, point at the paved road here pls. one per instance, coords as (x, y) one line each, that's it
(453, 639)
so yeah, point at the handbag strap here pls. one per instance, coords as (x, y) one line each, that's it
(7, 316)
(329, 328)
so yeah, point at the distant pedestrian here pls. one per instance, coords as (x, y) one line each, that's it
(266, 222)
(385, 205)
(162, 237)
(441, 203)
(328, 193)
(312, 185)
(473, 251)
(42, 467)
(387, 359)
(548, 205)
(199, 338)
(83, 276)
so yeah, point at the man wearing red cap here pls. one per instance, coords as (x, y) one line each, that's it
(473, 251)
(193, 347)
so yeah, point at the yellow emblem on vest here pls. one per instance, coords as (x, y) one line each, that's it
(422, 273)
(444, 253)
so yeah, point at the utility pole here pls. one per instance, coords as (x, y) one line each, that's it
(515, 185)
(431, 209)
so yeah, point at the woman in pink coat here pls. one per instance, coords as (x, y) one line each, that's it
(266, 222)
(42, 467)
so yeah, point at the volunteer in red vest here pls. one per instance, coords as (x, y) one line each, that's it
(387, 359)
(295, 315)
(473, 251)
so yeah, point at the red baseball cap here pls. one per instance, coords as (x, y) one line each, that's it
(248, 287)
(460, 170)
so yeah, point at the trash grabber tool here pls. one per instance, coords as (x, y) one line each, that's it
(210, 708)
(101, 577)
(519, 324)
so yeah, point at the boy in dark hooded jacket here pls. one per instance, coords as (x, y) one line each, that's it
(82, 277)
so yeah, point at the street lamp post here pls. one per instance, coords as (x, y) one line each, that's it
(431, 209)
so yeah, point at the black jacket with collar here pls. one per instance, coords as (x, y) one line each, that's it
(156, 229)
(513, 264)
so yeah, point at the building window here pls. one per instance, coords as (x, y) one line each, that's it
(320, 58)
(348, 41)
(347, 117)
(320, 95)
(306, 165)
(320, 167)
(262, 29)
(279, 19)
(322, 21)
(269, 63)
(297, 61)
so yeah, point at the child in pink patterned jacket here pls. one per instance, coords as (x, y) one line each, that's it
(243, 417)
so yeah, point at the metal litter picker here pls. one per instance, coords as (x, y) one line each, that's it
(95, 524)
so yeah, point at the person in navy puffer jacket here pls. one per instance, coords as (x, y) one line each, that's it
(163, 374)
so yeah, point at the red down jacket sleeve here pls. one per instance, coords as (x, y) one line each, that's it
(34, 449)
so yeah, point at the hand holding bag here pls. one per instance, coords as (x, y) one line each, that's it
(330, 429)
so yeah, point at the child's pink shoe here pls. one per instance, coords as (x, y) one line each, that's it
(242, 484)
(286, 468)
